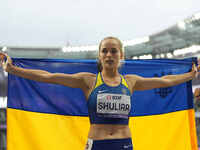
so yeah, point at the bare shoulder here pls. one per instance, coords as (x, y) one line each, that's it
(131, 81)
(89, 78)
(132, 77)
(89, 74)
(86, 75)
(76, 80)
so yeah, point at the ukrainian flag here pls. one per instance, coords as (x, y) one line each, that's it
(43, 116)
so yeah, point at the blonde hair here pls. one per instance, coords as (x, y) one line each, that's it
(113, 38)
(99, 65)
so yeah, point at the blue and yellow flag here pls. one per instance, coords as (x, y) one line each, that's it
(43, 116)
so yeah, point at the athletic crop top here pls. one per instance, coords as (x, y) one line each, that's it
(109, 105)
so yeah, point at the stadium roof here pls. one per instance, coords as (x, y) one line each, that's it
(184, 34)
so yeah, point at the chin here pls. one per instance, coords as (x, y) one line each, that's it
(110, 66)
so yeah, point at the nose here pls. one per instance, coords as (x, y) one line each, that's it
(109, 53)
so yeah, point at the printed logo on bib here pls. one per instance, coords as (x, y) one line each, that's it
(113, 105)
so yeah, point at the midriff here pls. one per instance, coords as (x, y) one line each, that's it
(108, 131)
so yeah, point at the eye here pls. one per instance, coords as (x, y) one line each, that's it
(104, 50)
(113, 50)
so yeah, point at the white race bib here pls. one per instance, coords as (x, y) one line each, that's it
(113, 105)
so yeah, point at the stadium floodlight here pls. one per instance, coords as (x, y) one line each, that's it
(194, 48)
(71, 49)
(135, 57)
(191, 49)
(162, 55)
(169, 55)
(180, 52)
(181, 25)
(95, 47)
(136, 41)
(4, 48)
(89, 48)
(76, 49)
(145, 56)
(64, 49)
(80, 48)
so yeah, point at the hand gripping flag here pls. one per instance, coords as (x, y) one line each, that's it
(43, 116)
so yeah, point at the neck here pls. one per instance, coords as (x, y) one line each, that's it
(110, 73)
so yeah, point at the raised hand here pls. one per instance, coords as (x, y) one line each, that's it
(195, 70)
(6, 61)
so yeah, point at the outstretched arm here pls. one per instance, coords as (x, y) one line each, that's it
(77, 80)
(140, 83)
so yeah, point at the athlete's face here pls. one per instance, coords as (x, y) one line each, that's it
(110, 53)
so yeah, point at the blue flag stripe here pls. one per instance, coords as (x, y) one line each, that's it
(49, 98)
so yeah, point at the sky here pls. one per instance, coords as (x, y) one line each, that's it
(57, 23)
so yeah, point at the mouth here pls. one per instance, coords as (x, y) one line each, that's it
(109, 61)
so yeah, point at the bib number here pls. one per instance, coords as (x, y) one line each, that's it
(113, 105)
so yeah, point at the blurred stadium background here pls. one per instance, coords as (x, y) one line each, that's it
(181, 40)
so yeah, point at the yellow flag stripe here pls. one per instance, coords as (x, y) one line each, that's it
(31, 130)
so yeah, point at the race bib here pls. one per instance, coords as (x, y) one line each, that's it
(113, 105)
